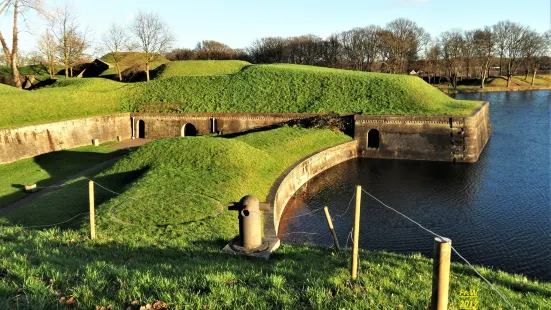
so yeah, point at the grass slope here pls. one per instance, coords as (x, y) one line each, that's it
(259, 88)
(494, 84)
(202, 67)
(65, 99)
(294, 88)
(171, 252)
(129, 59)
(47, 169)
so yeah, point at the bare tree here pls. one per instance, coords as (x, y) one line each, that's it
(433, 57)
(407, 40)
(19, 7)
(484, 43)
(501, 31)
(452, 46)
(534, 50)
(514, 46)
(468, 51)
(154, 37)
(47, 45)
(213, 50)
(71, 42)
(114, 41)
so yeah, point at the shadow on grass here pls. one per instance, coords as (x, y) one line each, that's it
(66, 205)
(58, 166)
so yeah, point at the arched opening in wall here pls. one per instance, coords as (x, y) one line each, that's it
(141, 129)
(188, 130)
(373, 139)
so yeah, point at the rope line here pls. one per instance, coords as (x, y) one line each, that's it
(50, 225)
(105, 188)
(301, 215)
(301, 232)
(349, 204)
(456, 252)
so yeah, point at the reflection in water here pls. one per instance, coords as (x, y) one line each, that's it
(497, 211)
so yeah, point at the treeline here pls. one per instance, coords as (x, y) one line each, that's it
(399, 47)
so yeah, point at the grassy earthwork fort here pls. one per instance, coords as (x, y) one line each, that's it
(215, 132)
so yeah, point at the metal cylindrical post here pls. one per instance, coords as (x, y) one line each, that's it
(252, 222)
(92, 213)
(356, 235)
(441, 273)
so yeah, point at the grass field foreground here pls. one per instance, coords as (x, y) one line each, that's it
(154, 245)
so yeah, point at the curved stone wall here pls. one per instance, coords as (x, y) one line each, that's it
(298, 174)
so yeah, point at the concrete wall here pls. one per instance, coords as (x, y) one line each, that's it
(436, 138)
(298, 174)
(30, 141)
(165, 125)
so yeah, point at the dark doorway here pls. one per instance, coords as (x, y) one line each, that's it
(141, 129)
(188, 130)
(373, 139)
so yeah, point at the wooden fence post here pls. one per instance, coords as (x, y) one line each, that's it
(441, 273)
(356, 235)
(92, 213)
(331, 228)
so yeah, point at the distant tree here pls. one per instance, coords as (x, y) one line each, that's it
(468, 51)
(405, 42)
(213, 50)
(71, 41)
(114, 41)
(330, 52)
(535, 47)
(19, 8)
(268, 50)
(154, 37)
(452, 47)
(47, 45)
(484, 41)
(501, 31)
(304, 49)
(180, 54)
(515, 43)
(433, 57)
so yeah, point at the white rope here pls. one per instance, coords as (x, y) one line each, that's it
(456, 252)
(301, 215)
(105, 188)
(300, 232)
(349, 203)
(50, 225)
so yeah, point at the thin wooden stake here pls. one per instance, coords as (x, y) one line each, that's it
(92, 213)
(331, 228)
(441, 273)
(356, 235)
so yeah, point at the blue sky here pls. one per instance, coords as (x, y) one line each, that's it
(239, 22)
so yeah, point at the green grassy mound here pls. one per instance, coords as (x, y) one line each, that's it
(130, 60)
(302, 89)
(258, 88)
(65, 99)
(163, 250)
(202, 67)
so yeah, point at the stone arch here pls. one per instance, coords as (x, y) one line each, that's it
(141, 129)
(188, 130)
(373, 139)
